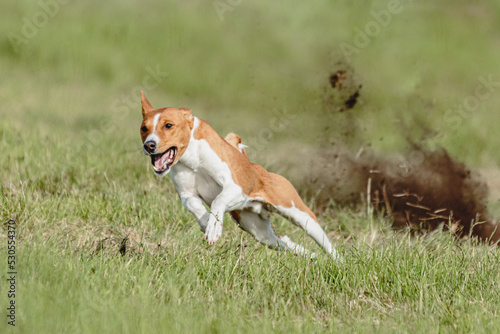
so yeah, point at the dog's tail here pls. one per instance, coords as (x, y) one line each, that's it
(235, 141)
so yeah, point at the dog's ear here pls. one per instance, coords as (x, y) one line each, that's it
(188, 116)
(146, 106)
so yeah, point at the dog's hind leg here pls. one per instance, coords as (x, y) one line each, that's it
(287, 202)
(307, 222)
(296, 248)
(260, 227)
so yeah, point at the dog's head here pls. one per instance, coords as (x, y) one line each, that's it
(165, 134)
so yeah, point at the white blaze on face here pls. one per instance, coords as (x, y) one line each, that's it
(152, 136)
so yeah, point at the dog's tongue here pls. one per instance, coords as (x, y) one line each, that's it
(159, 162)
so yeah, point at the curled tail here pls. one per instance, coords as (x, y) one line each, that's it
(235, 141)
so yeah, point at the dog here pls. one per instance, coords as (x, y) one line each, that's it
(206, 168)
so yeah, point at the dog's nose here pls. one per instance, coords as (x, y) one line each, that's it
(150, 146)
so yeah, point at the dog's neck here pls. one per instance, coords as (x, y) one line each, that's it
(190, 158)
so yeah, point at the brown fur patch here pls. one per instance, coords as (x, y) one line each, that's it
(255, 181)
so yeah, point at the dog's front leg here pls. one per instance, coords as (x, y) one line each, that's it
(214, 225)
(185, 183)
(227, 198)
(195, 205)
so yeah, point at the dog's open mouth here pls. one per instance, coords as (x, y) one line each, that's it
(162, 162)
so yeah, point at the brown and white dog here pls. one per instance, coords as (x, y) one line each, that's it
(205, 167)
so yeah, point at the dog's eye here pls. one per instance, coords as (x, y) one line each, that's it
(144, 129)
(168, 126)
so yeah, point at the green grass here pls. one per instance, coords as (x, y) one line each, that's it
(395, 284)
(73, 175)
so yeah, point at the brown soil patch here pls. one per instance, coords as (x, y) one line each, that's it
(422, 191)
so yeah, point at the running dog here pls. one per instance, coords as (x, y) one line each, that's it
(206, 168)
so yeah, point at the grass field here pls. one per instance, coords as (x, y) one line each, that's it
(104, 245)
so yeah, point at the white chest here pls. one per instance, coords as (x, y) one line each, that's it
(198, 183)
(206, 187)
(200, 172)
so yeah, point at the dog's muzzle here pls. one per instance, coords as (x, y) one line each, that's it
(150, 147)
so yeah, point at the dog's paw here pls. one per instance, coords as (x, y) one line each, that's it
(213, 232)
